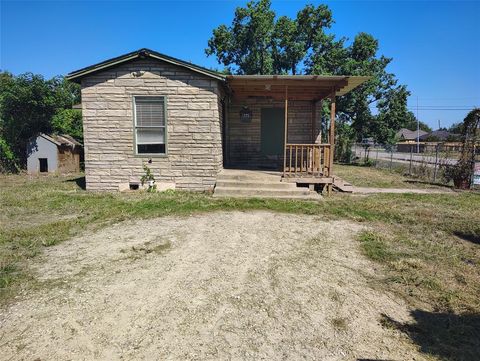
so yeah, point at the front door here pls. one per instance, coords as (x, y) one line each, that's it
(272, 132)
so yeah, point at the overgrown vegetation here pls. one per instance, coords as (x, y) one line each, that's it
(365, 174)
(410, 234)
(462, 172)
(29, 104)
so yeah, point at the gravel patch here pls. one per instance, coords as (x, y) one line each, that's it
(225, 285)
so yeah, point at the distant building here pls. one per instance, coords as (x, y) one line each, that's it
(406, 135)
(53, 154)
(439, 136)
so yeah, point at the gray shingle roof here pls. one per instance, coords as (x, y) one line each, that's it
(406, 134)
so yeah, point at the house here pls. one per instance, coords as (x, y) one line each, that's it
(439, 136)
(188, 122)
(53, 154)
(406, 135)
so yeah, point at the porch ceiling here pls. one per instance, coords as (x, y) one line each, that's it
(300, 87)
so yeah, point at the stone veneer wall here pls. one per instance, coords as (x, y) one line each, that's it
(243, 139)
(194, 143)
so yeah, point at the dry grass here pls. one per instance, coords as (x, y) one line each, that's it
(429, 244)
(364, 176)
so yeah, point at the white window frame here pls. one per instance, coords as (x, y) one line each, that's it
(135, 127)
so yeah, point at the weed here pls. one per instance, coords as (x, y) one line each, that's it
(339, 323)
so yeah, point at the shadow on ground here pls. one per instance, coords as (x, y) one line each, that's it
(445, 335)
(468, 236)
(436, 184)
(80, 181)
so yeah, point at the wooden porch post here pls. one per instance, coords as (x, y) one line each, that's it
(321, 120)
(332, 130)
(331, 137)
(314, 120)
(286, 132)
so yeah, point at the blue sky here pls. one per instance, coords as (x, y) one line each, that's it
(435, 44)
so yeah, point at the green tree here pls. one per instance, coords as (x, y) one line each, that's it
(28, 103)
(293, 38)
(456, 128)
(411, 123)
(68, 121)
(258, 42)
(247, 43)
(360, 58)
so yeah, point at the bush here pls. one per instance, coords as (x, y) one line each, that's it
(8, 162)
(460, 174)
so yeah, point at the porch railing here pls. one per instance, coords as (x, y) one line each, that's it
(307, 160)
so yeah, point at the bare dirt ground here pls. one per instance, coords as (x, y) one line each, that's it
(227, 285)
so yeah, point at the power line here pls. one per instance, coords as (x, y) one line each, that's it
(477, 97)
(420, 108)
(446, 106)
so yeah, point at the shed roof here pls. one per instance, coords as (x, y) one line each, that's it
(59, 140)
(410, 134)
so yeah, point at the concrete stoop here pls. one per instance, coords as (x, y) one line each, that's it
(259, 184)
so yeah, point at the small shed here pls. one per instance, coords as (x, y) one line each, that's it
(53, 154)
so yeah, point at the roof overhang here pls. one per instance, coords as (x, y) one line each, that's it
(77, 75)
(297, 87)
(300, 87)
(60, 140)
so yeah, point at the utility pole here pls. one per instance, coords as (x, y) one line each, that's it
(418, 130)
(438, 124)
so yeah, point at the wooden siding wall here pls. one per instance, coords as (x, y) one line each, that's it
(243, 143)
(68, 160)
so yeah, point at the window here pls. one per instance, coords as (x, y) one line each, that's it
(150, 125)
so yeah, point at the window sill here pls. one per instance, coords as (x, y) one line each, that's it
(150, 155)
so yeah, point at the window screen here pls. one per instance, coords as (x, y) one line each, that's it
(150, 125)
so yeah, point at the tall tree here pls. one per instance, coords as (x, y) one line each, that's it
(303, 45)
(360, 58)
(247, 43)
(293, 38)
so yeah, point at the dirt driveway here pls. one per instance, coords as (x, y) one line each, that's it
(227, 285)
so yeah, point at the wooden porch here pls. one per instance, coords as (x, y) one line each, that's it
(309, 162)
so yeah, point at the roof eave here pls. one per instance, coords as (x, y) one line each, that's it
(77, 75)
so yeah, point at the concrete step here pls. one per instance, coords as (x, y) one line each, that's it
(258, 184)
(250, 177)
(252, 184)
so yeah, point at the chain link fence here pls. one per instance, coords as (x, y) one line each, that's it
(428, 165)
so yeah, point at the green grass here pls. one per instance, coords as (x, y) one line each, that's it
(375, 247)
(427, 244)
